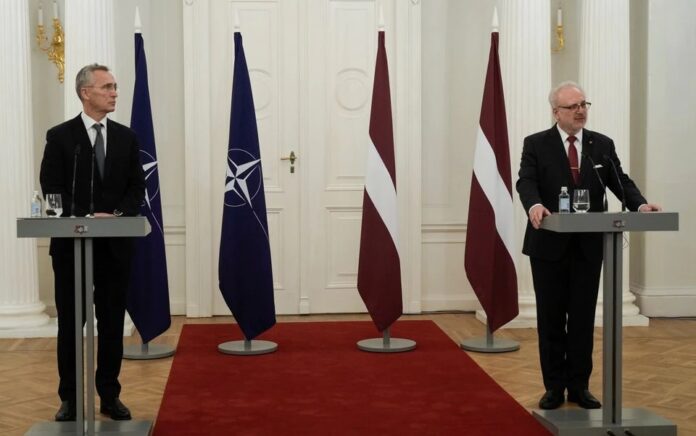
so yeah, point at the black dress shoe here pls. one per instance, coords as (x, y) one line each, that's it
(67, 411)
(584, 399)
(552, 399)
(115, 409)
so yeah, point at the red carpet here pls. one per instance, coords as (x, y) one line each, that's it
(319, 383)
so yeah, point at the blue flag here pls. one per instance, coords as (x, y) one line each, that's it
(245, 274)
(148, 295)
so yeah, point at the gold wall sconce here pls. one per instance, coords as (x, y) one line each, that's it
(56, 48)
(560, 37)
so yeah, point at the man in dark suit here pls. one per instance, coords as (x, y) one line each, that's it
(109, 181)
(566, 267)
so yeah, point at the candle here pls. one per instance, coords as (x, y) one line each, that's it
(380, 23)
(40, 16)
(559, 17)
(55, 10)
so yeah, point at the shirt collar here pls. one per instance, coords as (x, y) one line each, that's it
(564, 135)
(89, 122)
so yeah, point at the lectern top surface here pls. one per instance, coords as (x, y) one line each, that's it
(82, 227)
(603, 222)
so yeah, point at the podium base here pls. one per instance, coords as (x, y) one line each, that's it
(127, 428)
(581, 422)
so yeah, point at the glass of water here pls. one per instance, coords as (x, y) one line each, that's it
(54, 205)
(581, 200)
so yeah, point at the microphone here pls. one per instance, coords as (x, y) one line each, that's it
(618, 179)
(91, 186)
(74, 175)
(601, 183)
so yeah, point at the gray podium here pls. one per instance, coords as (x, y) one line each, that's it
(83, 230)
(611, 419)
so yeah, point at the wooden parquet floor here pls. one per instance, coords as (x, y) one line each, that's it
(659, 369)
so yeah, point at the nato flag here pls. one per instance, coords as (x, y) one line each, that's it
(245, 274)
(148, 295)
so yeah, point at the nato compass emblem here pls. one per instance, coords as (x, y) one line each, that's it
(152, 188)
(243, 180)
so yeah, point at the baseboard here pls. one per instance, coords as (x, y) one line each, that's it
(665, 305)
(50, 330)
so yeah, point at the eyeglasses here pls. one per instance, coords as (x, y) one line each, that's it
(576, 106)
(109, 87)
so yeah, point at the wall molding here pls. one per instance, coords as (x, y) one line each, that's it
(665, 301)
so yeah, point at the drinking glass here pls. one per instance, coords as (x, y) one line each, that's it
(54, 205)
(581, 200)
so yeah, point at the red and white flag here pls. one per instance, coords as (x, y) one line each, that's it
(379, 271)
(488, 257)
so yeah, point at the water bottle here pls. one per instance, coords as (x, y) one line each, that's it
(36, 205)
(564, 201)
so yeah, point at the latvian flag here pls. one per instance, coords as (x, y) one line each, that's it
(379, 272)
(489, 237)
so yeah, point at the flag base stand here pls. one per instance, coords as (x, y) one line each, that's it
(386, 344)
(247, 347)
(489, 344)
(147, 351)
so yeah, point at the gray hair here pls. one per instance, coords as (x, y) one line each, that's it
(84, 76)
(553, 95)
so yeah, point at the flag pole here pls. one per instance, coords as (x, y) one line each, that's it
(145, 351)
(379, 269)
(251, 305)
(492, 275)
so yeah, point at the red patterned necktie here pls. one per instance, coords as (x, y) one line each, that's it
(573, 158)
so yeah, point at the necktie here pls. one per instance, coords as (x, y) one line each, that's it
(99, 152)
(573, 158)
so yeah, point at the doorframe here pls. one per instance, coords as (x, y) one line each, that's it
(405, 72)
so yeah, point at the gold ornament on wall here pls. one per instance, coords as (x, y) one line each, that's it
(55, 50)
(560, 37)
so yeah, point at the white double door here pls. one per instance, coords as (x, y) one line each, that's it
(311, 64)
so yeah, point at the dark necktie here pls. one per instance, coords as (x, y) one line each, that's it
(99, 152)
(573, 158)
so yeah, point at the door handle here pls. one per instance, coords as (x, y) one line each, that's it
(292, 158)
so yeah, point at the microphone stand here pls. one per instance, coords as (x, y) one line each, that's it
(604, 188)
(91, 187)
(74, 175)
(618, 179)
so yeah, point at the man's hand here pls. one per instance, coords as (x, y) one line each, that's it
(536, 214)
(650, 208)
(102, 215)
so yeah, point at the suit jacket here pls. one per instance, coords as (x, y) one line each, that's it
(123, 184)
(545, 168)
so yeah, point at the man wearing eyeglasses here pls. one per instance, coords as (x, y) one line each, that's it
(103, 158)
(566, 267)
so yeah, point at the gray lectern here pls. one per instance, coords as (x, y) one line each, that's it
(85, 229)
(611, 419)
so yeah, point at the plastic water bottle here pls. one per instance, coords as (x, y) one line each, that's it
(564, 201)
(36, 205)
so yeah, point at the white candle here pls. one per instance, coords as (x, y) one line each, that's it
(55, 10)
(40, 16)
(559, 17)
